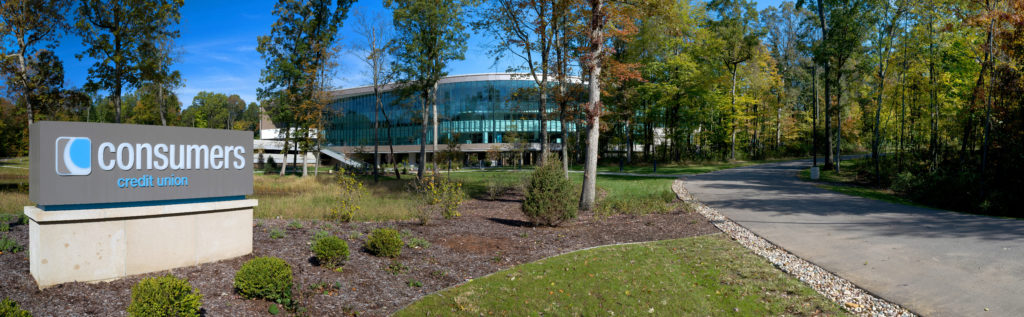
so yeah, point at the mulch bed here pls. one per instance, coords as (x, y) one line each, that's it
(490, 236)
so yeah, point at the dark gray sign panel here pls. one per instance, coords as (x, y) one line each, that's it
(76, 163)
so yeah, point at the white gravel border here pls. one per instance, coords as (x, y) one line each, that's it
(835, 288)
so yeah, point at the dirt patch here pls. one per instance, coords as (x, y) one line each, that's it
(490, 236)
(477, 244)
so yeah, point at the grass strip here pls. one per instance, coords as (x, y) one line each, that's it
(706, 275)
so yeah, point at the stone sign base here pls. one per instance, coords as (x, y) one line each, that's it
(105, 244)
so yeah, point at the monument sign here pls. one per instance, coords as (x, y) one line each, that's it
(120, 199)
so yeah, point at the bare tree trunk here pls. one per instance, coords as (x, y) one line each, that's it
(423, 138)
(933, 144)
(163, 106)
(732, 152)
(988, 105)
(316, 157)
(828, 95)
(24, 80)
(284, 151)
(391, 143)
(903, 109)
(542, 114)
(563, 103)
(829, 164)
(814, 120)
(433, 104)
(839, 120)
(597, 21)
(376, 134)
(629, 141)
(882, 55)
(778, 128)
(305, 163)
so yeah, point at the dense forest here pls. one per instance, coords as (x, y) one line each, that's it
(932, 88)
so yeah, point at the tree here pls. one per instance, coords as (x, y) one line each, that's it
(156, 57)
(527, 30)
(594, 56)
(430, 34)
(298, 53)
(374, 52)
(113, 34)
(887, 21)
(736, 28)
(616, 21)
(28, 24)
(843, 27)
(42, 83)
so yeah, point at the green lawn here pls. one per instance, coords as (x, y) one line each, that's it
(707, 275)
(14, 186)
(617, 194)
(846, 182)
(677, 168)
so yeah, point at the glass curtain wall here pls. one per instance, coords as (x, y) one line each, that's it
(469, 112)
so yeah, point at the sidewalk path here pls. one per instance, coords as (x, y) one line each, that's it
(935, 263)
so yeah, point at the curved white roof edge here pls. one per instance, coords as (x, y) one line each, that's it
(361, 90)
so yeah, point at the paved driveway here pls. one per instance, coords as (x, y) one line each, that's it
(936, 263)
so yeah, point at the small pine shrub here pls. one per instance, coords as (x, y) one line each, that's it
(164, 296)
(268, 278)
(271, 166)
(331, 251)
(7, 244)
(10, 308)
(549, 197)
(396, 268)
(384, 242)
(276, 233)
(417, 243)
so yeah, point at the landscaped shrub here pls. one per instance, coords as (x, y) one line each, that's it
(351, 192)
(9, 308)
(384, 242)
(7, 244)
(440, 195)
(331, 251)
(269, 278)
(549, 197)
(446, 195)
(164, 296)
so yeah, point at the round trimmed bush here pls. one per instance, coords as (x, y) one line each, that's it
(164, 296)
(10, 308)
(384, 242)
(331, 251)
(265, 277)
(549, 197)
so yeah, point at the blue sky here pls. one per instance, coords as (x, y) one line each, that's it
(218, 48)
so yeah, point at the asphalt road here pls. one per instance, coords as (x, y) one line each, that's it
(935, 263)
